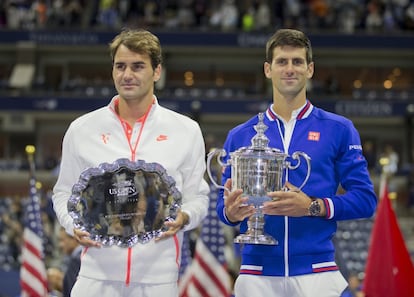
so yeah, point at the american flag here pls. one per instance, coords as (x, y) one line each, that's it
(33, 278)
(207, 276)
(186, 256)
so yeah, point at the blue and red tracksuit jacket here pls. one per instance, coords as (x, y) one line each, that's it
(305, 243)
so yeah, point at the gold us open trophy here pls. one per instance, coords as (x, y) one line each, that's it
(257, 170)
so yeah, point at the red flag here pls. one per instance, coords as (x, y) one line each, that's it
(33, 277)
(389, 271)
(207, 275)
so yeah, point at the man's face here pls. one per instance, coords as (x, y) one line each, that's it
(289, 70)
(133, 75)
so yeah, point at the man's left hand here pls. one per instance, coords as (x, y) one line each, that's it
(180, 221)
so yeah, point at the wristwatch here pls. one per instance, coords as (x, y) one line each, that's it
(314, 208)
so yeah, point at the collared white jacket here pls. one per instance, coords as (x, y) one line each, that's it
(168, 138)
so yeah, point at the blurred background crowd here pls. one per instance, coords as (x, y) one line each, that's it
(247, 15)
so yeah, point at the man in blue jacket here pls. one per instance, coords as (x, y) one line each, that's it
(303, 221)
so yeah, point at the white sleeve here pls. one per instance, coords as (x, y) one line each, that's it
(68, 175)
(195, 189)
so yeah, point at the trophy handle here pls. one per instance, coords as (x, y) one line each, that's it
(220, 153)
(296, 156)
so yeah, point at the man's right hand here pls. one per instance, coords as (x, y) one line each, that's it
(236, 208)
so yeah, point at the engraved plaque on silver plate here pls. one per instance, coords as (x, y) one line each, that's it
(124, 202)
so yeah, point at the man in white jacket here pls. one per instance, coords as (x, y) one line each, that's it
(136, 127)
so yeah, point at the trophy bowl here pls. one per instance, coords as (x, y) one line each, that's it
(124, 203)
(257, 170)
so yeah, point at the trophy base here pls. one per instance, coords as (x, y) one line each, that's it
(256, 239)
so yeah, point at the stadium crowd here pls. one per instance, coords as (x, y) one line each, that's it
(337, 16)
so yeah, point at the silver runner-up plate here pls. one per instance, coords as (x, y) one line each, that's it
(124, 203)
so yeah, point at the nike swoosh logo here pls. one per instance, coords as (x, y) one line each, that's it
(162, 137)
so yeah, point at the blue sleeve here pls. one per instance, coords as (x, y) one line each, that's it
(226, 174)
(359, 199)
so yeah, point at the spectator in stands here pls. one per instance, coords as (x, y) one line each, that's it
(225, 16)
(19, 14)
(66, 13)
(11, 231)
(292, 15)
(108, 16)
(409, 17)
(3, 17)
(151, 19)
(72, 252)
(200, 8)
(185, 14)
(124, 7)
(74, 10)
(347, 16)
(389, 160)
(374, 17)
(322, 12)
(370, 154)
(57, 15)
(303, 221)
(39, 9)
(55, 281)
(262, 16)
(248, 19)
(354, 288)
(134, 126)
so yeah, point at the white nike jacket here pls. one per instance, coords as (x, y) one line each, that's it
(168, 138)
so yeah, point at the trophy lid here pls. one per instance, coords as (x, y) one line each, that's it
(259, 147)
(260, 140)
